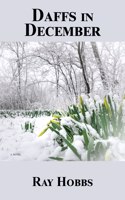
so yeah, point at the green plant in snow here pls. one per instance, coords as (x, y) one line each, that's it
(105, 120)
(28, 127)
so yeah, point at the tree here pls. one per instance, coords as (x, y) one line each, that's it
(82, 59)
(99, 64)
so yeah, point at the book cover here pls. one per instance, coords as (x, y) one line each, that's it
(62, 99)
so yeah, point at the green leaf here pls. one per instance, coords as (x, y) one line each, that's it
(69, 132)
(86, 138)
(90, 148)
(55, 125)
(56, 158)
(71, 147)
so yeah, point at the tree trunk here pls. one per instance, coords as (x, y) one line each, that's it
(81, 55)
(99, 64)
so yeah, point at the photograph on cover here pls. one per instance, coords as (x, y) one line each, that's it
(62, 101)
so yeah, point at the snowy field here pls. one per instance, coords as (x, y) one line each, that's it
(16, 144)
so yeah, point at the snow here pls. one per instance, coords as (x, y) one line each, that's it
(88, 116)
(15, 144)
(18, 145)
(116, 150)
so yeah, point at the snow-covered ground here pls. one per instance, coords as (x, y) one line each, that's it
(16, 144)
